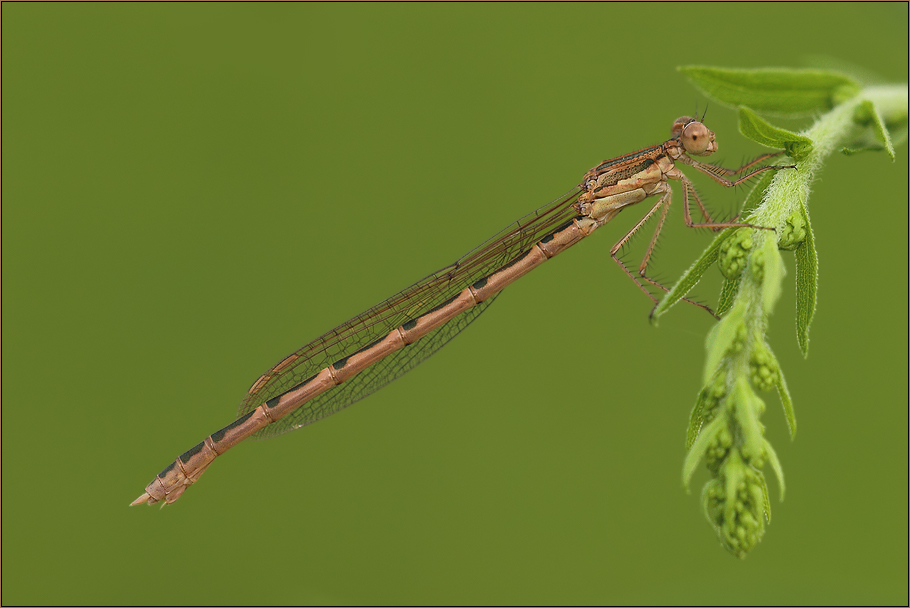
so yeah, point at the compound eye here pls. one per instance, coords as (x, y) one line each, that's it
(679, 124)
(696, 138)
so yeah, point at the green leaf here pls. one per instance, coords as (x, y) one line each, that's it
(757, 129)
(772, 274)
(723, 337)
(691, 277)
(867, 110)
(775, 465)
(806, 284)
(870, 140)
(778, 91)
(728, 295)
(747, 407)
(765, 497)
(696, 418)
(787, 402)
(856, 148)
(698, 449)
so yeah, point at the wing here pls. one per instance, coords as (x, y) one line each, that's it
(374, 377)
(378, 321)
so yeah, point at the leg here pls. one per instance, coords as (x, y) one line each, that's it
(724, 171)
(687, 185)
(717, 173)
(665, 201)
(688, 188)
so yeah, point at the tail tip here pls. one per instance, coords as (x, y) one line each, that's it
(144, 498)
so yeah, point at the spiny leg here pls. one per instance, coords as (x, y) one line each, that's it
(718, 170)
(619, 244)
(688, 188)
(660, 224)
(716, 173)
(643, 267)
(701, 207)
(665, 201)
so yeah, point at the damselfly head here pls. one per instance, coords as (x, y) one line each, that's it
(694, 136)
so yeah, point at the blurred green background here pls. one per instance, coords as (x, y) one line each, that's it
(190, 192)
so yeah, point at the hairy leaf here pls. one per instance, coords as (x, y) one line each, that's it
(867, 112)
(806, 284)
(895, 127)
(778, 91)
(765, 497)
(757, 129)
(728, 294)
(773, 273)
(723, 338)
(787, 402)
(775, 465)
(701, 445)
(748, 406)
(696, 418)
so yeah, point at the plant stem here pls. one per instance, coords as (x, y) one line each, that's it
(738, 355)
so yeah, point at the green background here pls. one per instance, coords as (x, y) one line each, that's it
(190, 192)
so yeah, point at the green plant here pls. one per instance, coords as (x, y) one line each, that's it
(725, 426)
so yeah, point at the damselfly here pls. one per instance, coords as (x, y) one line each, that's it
(378, 346)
